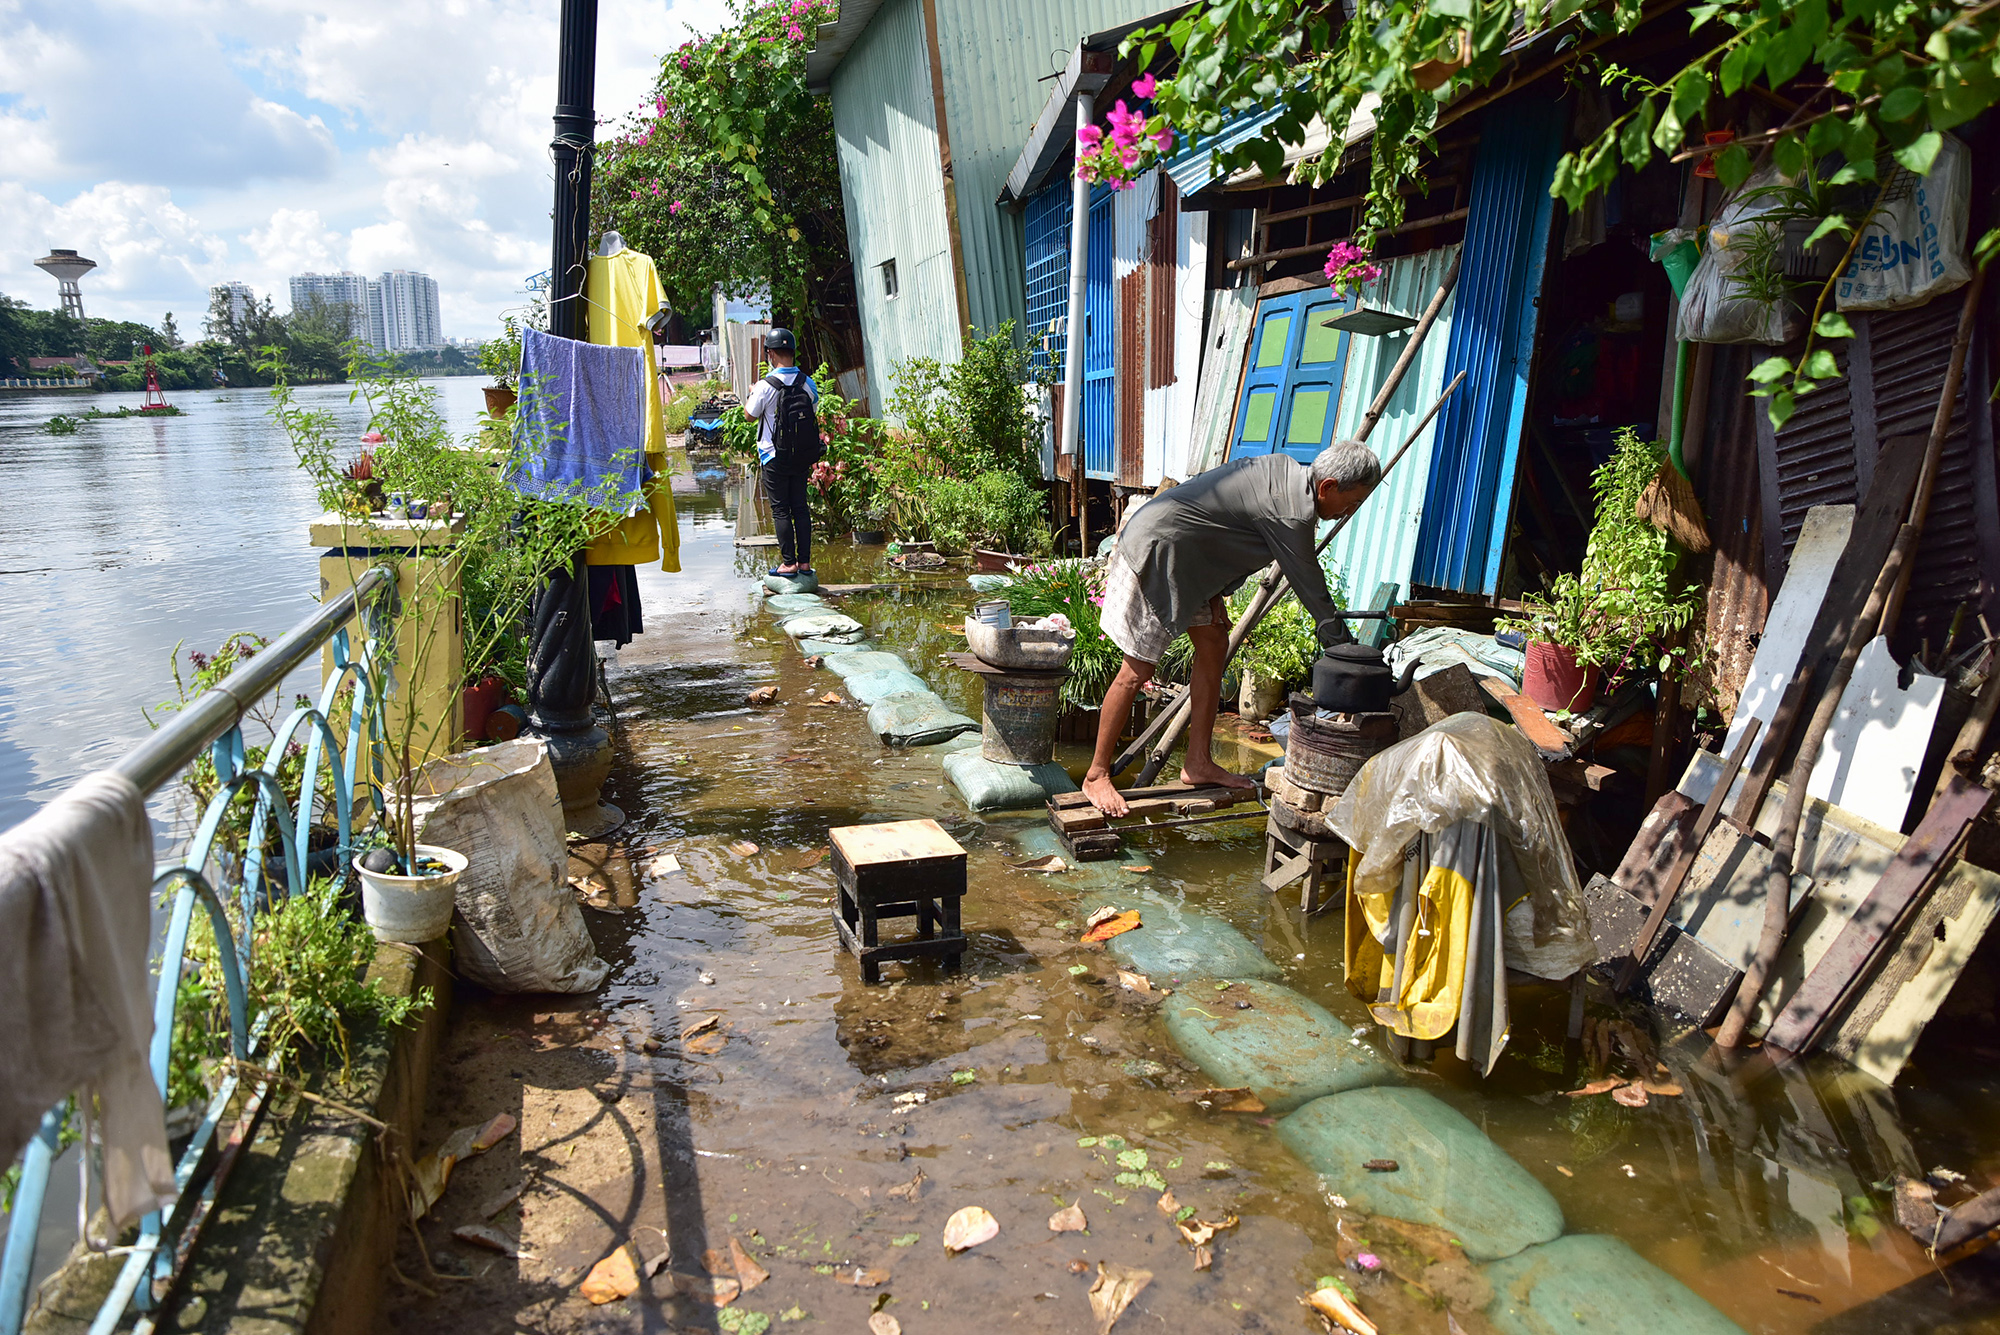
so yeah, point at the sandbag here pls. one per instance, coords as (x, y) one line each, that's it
(805, 583)
(988, 583)
(1448, 1174)
(1913, 249)
(853, 662)
(823, 626)
(1287, 1049)
(518, 927)
(1588, 1282)
(795, 604)
(988, 786)
(812, 646)
(917, 718)
(1175, 943)
(868, 687)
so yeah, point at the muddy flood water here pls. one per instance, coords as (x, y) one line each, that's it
(829, 1129)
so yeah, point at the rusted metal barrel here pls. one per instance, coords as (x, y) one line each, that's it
(1020, 723)
(1324, 754)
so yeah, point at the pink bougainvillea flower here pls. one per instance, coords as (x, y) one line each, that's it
(1089, 136)
(1144, 85)
(1163, 138)
(1087, 169)
(676, 206)
(1129, 155)
(1126, 124)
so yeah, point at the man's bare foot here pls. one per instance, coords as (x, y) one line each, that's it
(1210, 775)
(1104, 795)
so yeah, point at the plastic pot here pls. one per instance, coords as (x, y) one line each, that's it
(1554, 681)
(411, 909)
(479, 703)
(499, 398)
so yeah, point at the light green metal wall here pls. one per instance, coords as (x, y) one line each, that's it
(996, 56)
(885, 123)
(1380, 543)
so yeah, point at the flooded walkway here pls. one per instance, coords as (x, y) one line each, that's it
(829, 1129)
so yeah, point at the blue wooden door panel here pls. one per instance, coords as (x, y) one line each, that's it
(1100, 361)
(1291, 385)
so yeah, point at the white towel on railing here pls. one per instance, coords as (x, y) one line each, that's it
(76, 882)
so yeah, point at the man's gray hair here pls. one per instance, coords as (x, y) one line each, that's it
(1349, 465)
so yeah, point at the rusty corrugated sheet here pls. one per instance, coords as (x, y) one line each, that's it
(1131, 358)
(1738, 597)
(1163, 237)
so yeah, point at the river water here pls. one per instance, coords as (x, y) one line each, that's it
(133, 536)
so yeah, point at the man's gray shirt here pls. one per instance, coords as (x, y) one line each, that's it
(1206, 536)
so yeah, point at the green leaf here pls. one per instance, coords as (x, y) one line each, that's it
(1788, 154)
(1918, 155)
(1831, 223)
(1732, 166)
(964, 1077)
(1901, 103)
(1085, 1142)
(1986, 247)
(1133, 1159)
(1739, 65)
(1832, 325)
(1780, 411)
(1964, 92)
(1822, 366)
(1690, 92)
(1669, 134)
(1634, 138)
(1701, 14)
(907, 1240)
(1770, 369)
(1785, 54)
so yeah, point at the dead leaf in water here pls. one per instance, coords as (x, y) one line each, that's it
(718, 1290)
(1116, 925)
(881, 1323)
(666, 864)
(1167, 1205)
(909, 1191)
(1113, 1291)
(1138, 982)
(1142, 868)
(1204, 1257)
(968, 1228)
(830, 698)
(716, 1262)
(1047, 865)
(1595, 1087)
(1198, 1231)
(699, 1027)
(1631, 1096)
(611, 1279)
(743, 848)
(1240, 1100)
(812, 859)
(763, 695)
(1665, 1089)
(1069, 1219)
(706, 1044)
(862, 1278)
(1108, 911)
(748, 1273)
(1337, 1305)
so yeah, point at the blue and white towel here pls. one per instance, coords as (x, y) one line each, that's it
(580, 422)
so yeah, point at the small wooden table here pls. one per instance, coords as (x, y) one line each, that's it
(898, 869)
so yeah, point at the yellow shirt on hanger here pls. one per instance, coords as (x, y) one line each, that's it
(620, 293)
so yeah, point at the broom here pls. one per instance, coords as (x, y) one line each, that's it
(1669, 503)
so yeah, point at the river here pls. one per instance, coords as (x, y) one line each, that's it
(131, 537)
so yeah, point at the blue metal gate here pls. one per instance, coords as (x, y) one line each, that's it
(1100, 364)
(1291, 389)
(1470, 499)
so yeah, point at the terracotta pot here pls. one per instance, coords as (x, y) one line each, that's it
(1432, 74)
(499, 399)
(1553, 680)
(479, 703)
(996, 563)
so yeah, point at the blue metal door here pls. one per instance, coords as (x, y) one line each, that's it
(1291, 388)
(1099, 424)
(1470, 498)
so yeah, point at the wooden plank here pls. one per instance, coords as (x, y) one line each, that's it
(1676, 875)
(1653, 850)
(893, 841)
(1912, 873)
(1536, 726)
(1288, 871)
(1077, 820)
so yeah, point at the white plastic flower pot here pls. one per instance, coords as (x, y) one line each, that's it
(411, 909)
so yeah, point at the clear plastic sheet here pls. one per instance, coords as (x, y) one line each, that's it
(1470, 767)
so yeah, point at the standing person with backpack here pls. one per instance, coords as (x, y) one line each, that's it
(785, 406)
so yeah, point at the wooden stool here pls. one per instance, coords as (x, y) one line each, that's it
(901, 869)
(1289, 855)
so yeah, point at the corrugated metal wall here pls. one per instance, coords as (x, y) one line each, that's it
(886, 129)
(1170, 411)
(1471, 494)
(1132, 214)
(1380, 543)
(995, 55)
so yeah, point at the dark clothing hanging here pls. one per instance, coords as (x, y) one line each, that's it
(791, 508)
(614, 604)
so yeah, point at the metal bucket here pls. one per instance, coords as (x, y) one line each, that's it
(1325, 754)
(1021, 709)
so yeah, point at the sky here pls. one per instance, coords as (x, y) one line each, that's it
(181, 143)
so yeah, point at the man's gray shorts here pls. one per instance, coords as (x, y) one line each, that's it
(1131, 622)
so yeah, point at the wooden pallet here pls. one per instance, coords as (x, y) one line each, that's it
(1090, 836)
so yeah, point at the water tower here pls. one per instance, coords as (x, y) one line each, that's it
(67, 266)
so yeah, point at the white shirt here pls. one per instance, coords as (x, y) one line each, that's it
(762, 408)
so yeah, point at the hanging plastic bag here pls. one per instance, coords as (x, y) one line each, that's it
(1715, 307)
(1913, 249)
(518, 927)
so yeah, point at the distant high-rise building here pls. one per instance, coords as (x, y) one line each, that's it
(409, 306)
(344, 288)
(240, 298)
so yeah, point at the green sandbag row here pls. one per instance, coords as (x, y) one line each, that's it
(1448, 1174)
(868, 687)
(1287, 1049)
(1174, 943)
(917, 718)
(793, 604)
(1588, 1282)
(824, 625)
(851, 662)
(791, 583)
(988, 786)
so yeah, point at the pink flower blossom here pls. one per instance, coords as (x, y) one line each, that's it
(1143, 85)
(1088, 137)
(1086, 168)
(1343, 254)
(1163, 138)
(1129, 155)
(1126, 124)
(676, 206)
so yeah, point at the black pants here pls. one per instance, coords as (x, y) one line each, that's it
(792, 509)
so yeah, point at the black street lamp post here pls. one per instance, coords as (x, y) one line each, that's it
(562, 666)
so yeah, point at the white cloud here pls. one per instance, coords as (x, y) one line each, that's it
(184, 142)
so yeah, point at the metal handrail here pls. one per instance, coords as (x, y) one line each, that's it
(164, 754)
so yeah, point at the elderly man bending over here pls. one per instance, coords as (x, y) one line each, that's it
(1192, 546)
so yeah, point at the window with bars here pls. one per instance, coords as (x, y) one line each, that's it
(1046, 226)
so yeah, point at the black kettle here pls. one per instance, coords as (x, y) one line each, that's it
(1354, 679)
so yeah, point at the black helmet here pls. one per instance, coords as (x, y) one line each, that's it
(780, 340)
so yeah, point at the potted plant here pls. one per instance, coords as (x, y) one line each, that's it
(1567, 637)
(501, 359)
(871, 529)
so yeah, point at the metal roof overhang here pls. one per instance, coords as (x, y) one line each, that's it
(1088, 71)
(832, 41)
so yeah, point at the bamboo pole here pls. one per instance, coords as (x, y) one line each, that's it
(1270, 585)
(1877, 616)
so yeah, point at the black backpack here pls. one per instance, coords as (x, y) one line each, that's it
(795, 433)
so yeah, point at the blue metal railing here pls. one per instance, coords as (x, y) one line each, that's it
(212, 723)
